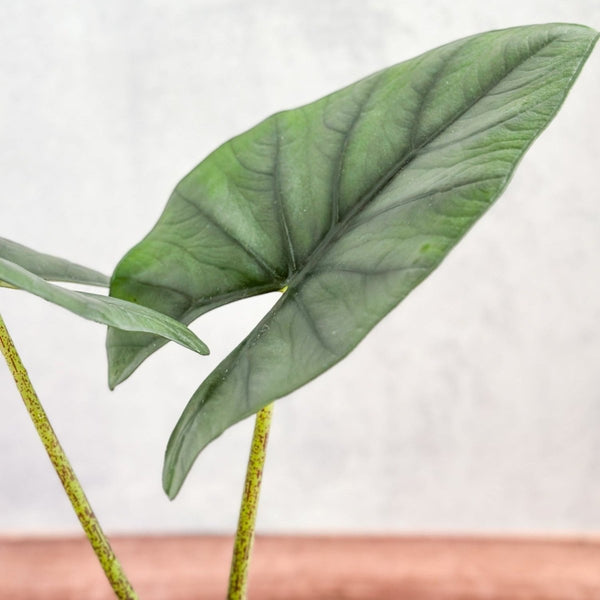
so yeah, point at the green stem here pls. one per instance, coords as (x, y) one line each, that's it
(60, 462)
(238, 577)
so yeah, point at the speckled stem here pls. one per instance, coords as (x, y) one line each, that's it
(60, 462)
(238, 577)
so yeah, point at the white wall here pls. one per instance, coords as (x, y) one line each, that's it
(473, 406)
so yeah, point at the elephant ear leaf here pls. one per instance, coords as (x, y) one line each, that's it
(48, 267)
(101, 309)
(346, 205)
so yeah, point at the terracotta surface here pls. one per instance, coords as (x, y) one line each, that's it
(316, 568)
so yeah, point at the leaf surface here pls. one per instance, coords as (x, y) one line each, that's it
(347, 203)
(50, 267)
(102, 309)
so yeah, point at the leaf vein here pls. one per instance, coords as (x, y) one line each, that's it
(421, 196)
(279, 203)
(249, 251)
(367, 272)
(347, 135)
(303, 309)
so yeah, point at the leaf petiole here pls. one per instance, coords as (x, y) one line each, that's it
(244, 538)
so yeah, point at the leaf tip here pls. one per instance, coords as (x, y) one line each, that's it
(118, 372)
(202, 348)
(170, 487)
(113, 380)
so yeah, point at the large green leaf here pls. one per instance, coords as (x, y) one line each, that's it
(102, 309)
(50, 267)
(347, 203)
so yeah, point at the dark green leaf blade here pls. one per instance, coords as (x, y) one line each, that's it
(102, 309)
(349, 203)
(50, 267)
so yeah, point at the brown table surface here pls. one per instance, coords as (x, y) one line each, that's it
(319, 568)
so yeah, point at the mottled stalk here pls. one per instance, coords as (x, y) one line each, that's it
(238, 577)
(60, 462)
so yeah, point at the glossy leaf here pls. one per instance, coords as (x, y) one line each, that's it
(347, 203)
(50, 267)
(102, 309)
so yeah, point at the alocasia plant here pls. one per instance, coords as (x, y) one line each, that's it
(345, 205)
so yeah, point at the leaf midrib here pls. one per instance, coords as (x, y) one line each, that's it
(338, 228)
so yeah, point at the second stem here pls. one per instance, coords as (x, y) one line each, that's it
(238, 577)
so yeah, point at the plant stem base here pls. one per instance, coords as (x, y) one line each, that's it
(244, 538)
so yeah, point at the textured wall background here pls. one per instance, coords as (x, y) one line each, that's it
(474, 406)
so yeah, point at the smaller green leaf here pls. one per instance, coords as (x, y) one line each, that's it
(50, 267)
(102, 309)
